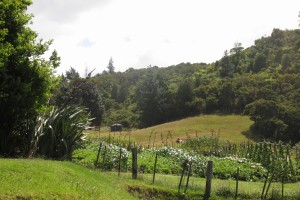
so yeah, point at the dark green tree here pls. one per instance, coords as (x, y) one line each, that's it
(285, 61)
(151, 98)
(72, 74)
(185, 99)
(110, 66)
(267, 116)
(114, 91)
(226, 66)
(260, 62)
(292, 119)
(82, 92)
(236, 56)
(26, 78)
(226, 96)
(123, 92)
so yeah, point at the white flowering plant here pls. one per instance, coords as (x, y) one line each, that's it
(170, 161)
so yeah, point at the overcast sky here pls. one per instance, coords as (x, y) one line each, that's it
(139, 33)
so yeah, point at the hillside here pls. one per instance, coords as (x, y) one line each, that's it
(42, 179)
(264, 76)
(233, 128)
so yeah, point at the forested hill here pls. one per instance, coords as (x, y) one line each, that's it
(262, 81)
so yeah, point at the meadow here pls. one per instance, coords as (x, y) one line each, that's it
(234, 128)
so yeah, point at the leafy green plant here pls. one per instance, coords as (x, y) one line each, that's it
(59, 130)
(109, 156)
(206, 145)
(225, 168)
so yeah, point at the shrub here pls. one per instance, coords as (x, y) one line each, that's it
(58, 131)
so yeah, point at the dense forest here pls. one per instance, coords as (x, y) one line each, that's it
(262, 81)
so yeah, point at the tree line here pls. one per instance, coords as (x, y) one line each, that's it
(261, 81)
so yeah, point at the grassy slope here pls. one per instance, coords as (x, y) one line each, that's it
(41, 179)
(231, 127)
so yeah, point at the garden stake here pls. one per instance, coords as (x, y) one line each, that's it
(149, 139)
(154, 168)
(188, 178)
(182, 174)
(269, 185)
(237, 182)
(154, 139)
(99, 151)
(265, 183)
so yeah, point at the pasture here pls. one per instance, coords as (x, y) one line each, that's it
(234, 128)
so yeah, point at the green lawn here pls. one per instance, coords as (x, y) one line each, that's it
(234, 128)
(41, 179)
(44, 179)
(249, 190)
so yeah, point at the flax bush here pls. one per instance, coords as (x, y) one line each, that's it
(59, 131)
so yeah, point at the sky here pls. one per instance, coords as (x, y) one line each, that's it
(140, 33)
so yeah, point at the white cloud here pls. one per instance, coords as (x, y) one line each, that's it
(137, 33)
(62, 11)
(87, 43)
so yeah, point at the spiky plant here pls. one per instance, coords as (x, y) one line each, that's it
(59, 130)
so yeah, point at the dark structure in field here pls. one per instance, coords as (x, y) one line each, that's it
(116, 128)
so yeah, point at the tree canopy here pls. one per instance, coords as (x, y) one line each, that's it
(26, 79)
(76, 91)
(266, 72)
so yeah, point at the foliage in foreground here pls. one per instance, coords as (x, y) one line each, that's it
(45, 179)
(59, 131)
(26, 79)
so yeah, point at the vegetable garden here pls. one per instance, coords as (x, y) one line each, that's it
(264, 162)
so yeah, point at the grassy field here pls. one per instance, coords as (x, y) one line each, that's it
(42, 179)
(234, 128)
(247, 190)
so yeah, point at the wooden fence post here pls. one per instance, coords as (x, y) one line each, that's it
(154, 171)
(134, 163)
(209, 174)
(237, 182)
